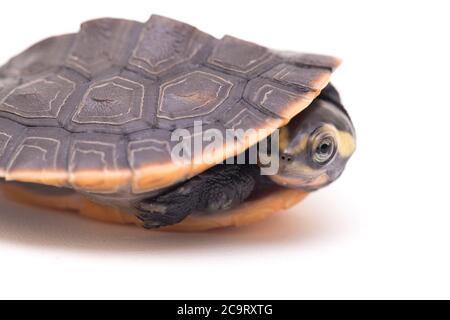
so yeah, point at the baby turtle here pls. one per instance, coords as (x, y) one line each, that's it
(88, 120)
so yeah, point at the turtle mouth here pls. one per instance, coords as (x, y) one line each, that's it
(302, 183)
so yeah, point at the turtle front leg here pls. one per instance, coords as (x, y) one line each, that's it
(220, 188)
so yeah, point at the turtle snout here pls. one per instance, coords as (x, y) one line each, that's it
(286, 158)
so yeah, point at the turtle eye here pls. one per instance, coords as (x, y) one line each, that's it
(324, 148)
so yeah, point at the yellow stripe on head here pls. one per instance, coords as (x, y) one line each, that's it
(346, 143)
(284, 138)
(345, 140)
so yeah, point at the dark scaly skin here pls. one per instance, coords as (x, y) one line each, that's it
(220, 188)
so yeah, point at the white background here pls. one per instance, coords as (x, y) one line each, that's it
(381, 231)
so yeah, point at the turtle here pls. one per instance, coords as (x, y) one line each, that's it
(87, 124)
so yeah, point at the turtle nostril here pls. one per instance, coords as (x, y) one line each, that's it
(286, 157)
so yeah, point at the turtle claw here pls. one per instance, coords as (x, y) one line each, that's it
(150, 215)
(156, 208)
(157, 213)
(151, 225)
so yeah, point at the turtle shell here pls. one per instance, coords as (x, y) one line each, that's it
(94, 111)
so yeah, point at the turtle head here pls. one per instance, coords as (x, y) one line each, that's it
(315, 147)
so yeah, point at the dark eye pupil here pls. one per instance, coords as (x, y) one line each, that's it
(324, 147)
